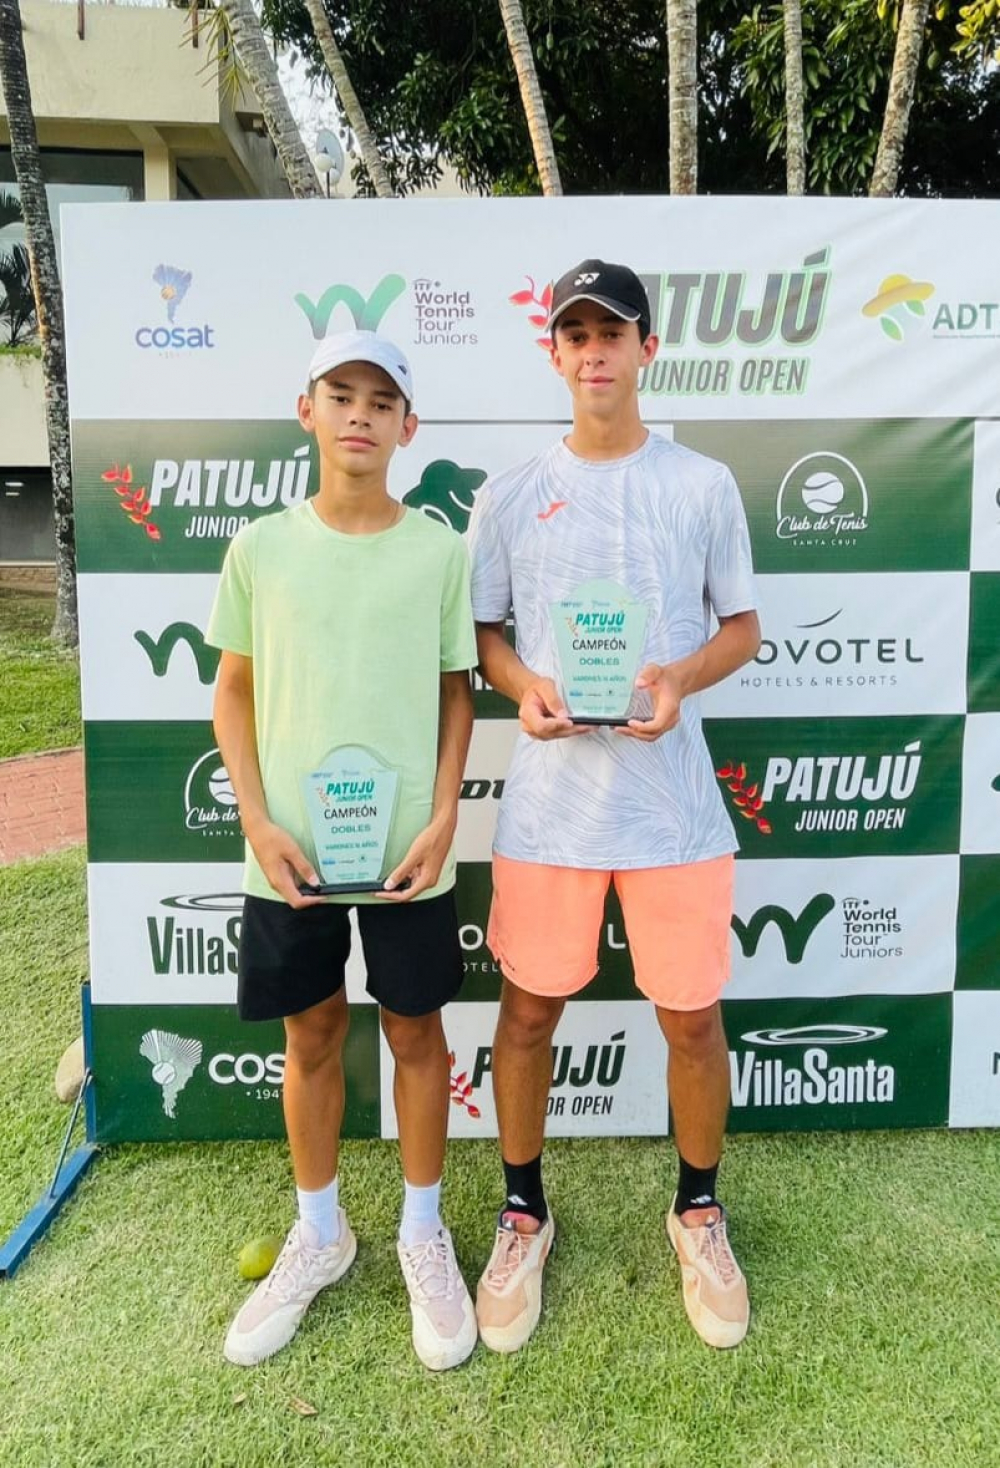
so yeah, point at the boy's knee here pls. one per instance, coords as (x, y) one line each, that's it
(316, 1036)
(413, 1039)
(526, 1019)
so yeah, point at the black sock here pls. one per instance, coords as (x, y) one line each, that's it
(695, 1186)
(524, 1188)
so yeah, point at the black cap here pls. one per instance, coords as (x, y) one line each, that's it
(614, 286)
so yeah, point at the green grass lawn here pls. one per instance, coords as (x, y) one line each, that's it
(872, 1258)
(40, 707)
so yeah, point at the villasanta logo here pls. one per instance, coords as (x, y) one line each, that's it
(822, 500)
(174, 1060)
(193, 945)
(174, 285)
(209, 798)
(766, 1082)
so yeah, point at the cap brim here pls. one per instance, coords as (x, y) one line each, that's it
(625, 313)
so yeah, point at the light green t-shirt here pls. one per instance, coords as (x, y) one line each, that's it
(349, 636)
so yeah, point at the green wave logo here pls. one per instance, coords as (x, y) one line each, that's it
(161, 650)
(367, 314)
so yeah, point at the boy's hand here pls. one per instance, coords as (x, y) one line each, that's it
(543, 714)
(421, 866)
(664, 690)
(282, 861)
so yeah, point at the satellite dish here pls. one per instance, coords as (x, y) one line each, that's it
(329, 155)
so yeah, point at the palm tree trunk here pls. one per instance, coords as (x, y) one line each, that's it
(902, 85)
(48, 307)
(258, 63)
(531, 96)
(682, 51)
(352, 108)
(795, 130)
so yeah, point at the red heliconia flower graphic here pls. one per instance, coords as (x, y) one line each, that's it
(461, 1089)
(132, 501)
(745, 797)
(542, 303)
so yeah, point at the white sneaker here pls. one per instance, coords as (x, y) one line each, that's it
(444, 1322)
(509, 1298)
(273, 1313)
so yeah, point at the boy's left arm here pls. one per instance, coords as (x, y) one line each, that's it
(735, 643)
(427, 855)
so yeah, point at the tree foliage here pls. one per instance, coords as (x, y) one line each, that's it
(437, 82)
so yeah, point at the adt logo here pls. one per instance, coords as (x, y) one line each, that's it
(446, 493)
(366, 314)
(174, 1060)
(174, 285)
(897, 297)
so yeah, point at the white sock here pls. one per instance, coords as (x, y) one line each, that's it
(421, 1218)
(319, 1211)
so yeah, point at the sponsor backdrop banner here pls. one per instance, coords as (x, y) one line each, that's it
(841, 355)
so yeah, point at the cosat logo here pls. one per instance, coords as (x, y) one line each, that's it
(599, 1066)
(209, 798)
(822, 500)
(815, 656)
(832, 785)
(160, 651)
(795, 931)
(228, 488)
(366, 314)
(174, 285)
(446, 493)
(897, 297)
(188, 948)
(249, 1070)
(174, 1060)
(767, 1082)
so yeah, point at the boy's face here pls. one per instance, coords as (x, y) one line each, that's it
(358, 416)
(599, 356)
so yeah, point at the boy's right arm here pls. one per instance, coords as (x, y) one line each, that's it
(278, 854)
(542, 712)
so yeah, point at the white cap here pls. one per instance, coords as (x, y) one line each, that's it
(362, 346)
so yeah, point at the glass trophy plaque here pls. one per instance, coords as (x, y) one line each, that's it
(350, 802)
(600, 633)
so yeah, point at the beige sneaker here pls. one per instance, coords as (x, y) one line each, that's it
(715, 1292)
(444, 1322)
(509, 1297)
(273, 1313)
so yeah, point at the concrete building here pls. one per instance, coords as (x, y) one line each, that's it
(126, 108)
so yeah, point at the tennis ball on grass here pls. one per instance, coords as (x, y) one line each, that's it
(257, 1257)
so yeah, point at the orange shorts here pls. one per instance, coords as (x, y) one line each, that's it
(545, 924)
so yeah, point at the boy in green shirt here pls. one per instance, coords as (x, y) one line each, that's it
(346, 620)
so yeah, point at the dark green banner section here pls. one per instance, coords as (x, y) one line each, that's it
(196, 1073)
(984, 642)
(978, 932)
(473, 891)
(849, 495)
(836, 1064)
(158, 792)
(841, 787)
(168, 496)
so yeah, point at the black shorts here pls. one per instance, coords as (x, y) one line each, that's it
(292, 958)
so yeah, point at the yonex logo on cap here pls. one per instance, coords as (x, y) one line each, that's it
(587, 279)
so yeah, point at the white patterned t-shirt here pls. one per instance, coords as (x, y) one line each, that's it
(668, 524)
